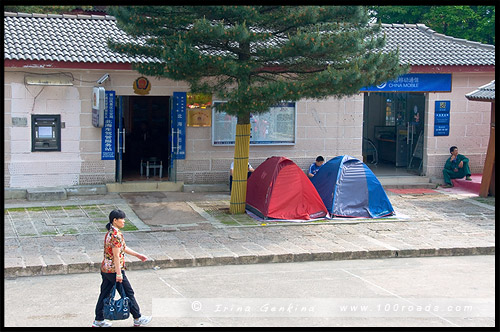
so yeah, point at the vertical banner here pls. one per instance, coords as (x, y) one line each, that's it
(108, 129)
(178, 117)
(442, 118)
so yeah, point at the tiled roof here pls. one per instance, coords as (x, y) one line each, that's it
(67, 38)
(483, 93)
(82, 38)
(421, 46)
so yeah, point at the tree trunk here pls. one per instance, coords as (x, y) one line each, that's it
(241, 143)
(240, 170)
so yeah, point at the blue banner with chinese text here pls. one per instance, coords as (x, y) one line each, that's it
(178, 119)
(414, 83)
(108, 129)
(442, 118)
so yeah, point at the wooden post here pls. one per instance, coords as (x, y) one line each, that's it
(487, 185)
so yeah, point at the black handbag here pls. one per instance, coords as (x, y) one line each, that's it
(116, 309)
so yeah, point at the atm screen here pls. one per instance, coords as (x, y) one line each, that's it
(45, 132)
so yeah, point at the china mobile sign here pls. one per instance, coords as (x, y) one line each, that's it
(414, 83)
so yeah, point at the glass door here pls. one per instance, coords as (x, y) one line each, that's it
(402, 129)
(120, 139)
(415, 113)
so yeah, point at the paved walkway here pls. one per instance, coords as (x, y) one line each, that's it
(176, 229)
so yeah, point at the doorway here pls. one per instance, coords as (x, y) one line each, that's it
(393, 132)
(146, 122)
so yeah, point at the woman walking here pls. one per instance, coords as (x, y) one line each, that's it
(113, 270)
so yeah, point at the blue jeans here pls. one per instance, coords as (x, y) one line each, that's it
(108, 281)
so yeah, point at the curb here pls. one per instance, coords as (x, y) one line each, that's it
(64, 268)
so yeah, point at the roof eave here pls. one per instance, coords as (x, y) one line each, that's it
(452, 69)
(62, 64)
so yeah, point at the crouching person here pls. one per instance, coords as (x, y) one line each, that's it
(456, 167)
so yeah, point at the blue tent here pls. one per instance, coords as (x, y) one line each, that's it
(350, 189)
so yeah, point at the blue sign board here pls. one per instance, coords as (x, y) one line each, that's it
(178, 119)
(108, 129)
(441, 130)
(414, 83)
(442, 118)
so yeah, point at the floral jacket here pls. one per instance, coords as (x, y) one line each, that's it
(113, 238)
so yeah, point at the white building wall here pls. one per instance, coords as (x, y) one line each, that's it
(469, 125)
(329, 127)
(35, 169)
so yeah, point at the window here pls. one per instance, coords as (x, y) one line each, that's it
(45, 133)
(276, 127)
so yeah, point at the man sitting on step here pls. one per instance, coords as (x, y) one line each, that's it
(456, 167)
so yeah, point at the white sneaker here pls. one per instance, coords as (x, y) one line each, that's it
(101, 323)
(143, 320)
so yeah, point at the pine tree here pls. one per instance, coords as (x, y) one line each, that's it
(258, 56)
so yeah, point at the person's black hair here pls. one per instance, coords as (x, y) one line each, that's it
(118, 214)
(320, 158)
(453, 148)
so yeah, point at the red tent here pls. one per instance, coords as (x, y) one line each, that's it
(279, 189)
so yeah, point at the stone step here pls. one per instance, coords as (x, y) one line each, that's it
(58, 193)
(470, 186)
(46, 194)
(144, 186)
(406, 182)
(216, 187)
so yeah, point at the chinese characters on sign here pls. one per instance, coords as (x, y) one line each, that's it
(442, 118)
(414, 83)
(108, 129)
(178, 119)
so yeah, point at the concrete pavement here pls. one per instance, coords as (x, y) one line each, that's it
(179, 229)
(404, 292)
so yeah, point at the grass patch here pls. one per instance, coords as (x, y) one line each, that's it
(229, 222)
(70, 231)
(222, 215)
(53, 208)
(91, 206)
(71, 207)
(16, 210)
(35, 209)
(490, 200)
(49, 233)
(129, 227)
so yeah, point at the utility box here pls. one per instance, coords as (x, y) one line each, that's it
(98, 95)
